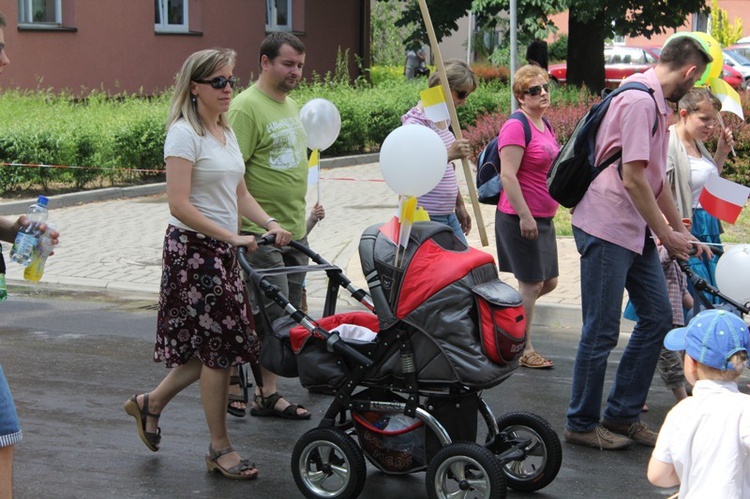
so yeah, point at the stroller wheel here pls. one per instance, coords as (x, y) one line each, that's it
(542, 451)
(466, 470)
(327, 463)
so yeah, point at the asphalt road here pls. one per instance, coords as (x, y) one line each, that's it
(72, 360)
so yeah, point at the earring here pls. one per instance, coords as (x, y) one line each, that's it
(193, 99)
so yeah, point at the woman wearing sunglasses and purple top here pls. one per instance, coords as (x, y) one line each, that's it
(524, 232)
(204, 324)
(444, 203)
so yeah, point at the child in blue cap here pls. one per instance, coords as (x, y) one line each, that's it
(704, 444)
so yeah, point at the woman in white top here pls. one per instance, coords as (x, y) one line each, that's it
(204, 323)
(689, 164)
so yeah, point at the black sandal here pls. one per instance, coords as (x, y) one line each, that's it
(267, 408)
(241, 380)
(150, 440)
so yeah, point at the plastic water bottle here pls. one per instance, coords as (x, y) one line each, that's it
(35, 268)
(28, 237)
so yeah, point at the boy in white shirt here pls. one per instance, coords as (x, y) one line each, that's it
(704, 444)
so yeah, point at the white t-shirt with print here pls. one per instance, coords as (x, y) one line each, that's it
(217, 171)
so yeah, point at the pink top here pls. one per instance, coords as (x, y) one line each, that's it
(532, 174)
(442, 199)
(606, 210)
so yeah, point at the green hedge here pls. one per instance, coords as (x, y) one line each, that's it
(111, 140)
(87, 143)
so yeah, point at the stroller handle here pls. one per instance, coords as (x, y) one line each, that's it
(266, 240)
(701, 284)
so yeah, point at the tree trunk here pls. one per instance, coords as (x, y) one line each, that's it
(586, 52)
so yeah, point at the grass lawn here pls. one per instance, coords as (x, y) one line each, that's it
(736, 233)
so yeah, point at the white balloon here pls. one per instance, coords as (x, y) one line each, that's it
(413, 160)
(733, 273)
(322, 122)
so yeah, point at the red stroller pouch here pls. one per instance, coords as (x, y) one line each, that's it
(501, 320)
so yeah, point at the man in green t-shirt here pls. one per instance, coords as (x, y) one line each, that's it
(273, 143)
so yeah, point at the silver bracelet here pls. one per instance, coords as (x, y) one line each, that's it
(267, 222)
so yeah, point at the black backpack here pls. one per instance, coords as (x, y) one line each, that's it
(574, 169)
(488, 163)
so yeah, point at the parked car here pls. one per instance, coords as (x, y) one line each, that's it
(742, 49)
(622, 61)
(737, 61)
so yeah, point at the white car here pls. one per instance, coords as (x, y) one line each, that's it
(738, 62)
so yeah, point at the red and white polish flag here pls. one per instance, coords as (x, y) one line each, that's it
(723, 198)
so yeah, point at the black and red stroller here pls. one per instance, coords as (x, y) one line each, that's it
(408, 397)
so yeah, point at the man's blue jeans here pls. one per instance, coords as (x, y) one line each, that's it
(606, 270)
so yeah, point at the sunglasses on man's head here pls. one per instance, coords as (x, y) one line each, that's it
(537, 89)
(219, 82)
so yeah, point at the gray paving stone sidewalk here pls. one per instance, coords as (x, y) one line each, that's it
(115, 244)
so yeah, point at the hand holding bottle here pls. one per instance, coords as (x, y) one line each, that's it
(44, 249)
(29, 233)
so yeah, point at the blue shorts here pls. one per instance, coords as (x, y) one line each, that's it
(10, 430)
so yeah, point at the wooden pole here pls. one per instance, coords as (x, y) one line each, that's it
(454, 119)
(721, 123)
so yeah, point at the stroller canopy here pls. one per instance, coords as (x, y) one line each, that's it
(431, 293)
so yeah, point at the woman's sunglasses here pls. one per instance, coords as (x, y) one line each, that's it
(219, 82)
(462, 94)
(537, 89)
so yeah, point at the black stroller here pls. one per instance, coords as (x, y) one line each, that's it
(446, 328)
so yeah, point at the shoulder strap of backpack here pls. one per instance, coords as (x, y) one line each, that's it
(518, 115)
(633, 85)
(548, 125)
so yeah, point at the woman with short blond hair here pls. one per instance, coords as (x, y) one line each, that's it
(524, 232)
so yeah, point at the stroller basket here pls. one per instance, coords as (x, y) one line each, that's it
(392, 441)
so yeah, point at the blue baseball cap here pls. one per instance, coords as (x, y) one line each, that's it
(711, 338)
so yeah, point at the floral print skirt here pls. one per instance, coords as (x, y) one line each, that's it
(204, 311)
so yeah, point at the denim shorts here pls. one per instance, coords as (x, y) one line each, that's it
(10, 430)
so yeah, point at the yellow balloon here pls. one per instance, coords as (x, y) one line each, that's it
(714, 49)
(710, 45)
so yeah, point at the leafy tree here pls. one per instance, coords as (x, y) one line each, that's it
(720, 28)
(387, 39)
(532, 16)
(590, 24)
(558, 50)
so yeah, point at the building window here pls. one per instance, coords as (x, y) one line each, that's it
(278, 15)
(171, 15)
(700, 22)
(39, 12)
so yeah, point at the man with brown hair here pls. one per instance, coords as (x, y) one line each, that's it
(273, 143)
(613, 226)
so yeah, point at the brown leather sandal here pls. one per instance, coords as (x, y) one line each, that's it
(536, 361)
(151, 440)
(267, 408)
(235, 472)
